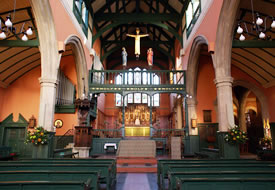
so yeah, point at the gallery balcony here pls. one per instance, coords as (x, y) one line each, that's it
(128, 81)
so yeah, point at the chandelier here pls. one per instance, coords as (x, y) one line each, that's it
(8, 27)
(259, 26)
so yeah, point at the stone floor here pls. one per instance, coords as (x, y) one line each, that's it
(136, 181)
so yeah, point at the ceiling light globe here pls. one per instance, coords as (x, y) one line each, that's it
(273, 24)
(259, 21)
(2, 35)
(239, 30)
(262, 35)
(29, 31)
(24, 37)
(8, 22)
(242, 38)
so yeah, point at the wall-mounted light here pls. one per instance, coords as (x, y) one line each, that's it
(193, 123)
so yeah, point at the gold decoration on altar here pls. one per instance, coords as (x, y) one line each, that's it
(138, 115)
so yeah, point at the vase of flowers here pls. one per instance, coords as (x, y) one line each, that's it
(39, 136)
(231, 141)
(39, 139)
(235, 136)
(265, 143)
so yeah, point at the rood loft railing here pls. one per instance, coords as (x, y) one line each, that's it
(117, 81)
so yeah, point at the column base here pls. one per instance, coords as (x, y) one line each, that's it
(84, 152)
(191, 144)
(226, 150)
(40, 151)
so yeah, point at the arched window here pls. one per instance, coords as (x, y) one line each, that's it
(137, 76)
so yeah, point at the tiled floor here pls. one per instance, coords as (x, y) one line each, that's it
(136, 181)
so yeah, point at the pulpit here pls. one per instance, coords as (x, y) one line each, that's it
(83, 132)
(83, 136)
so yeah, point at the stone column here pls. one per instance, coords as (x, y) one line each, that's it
(192, 114)
(225, 102)
(47, 102)
(179, 114)
(225, 117)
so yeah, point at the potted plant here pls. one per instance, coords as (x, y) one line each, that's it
(233, 138)
(39, 138)
(265, 143)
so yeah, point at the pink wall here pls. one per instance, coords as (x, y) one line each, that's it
(22, 96)
(206, 89)
(65, 27)
(208, 28)
(67, 65)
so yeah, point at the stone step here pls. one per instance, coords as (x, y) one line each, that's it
(136, 165)
(139, 161)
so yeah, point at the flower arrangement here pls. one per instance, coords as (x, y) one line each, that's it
(265, 142)
(236, 136)
(38, 136)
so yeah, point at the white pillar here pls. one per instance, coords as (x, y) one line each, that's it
(225, 102)
(47, 103)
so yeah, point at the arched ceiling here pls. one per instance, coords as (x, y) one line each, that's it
(161, 19)
(16, 56)
(254, 56)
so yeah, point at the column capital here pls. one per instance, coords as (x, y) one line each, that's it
(223, 81)
(191, 102)
(48, 82)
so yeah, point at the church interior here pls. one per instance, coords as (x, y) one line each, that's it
(137, 94)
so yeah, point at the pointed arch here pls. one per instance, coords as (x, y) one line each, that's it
(258, 93)
(80, 62)
(193, 64)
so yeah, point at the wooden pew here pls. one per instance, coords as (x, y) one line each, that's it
(7, 154)
(225, 183)
(78, 160)
(163, 165)
(65, 153)
(112, 162)
(52, 176)
(172, 176)
(219, 167)
(45, 185)
(106, 175)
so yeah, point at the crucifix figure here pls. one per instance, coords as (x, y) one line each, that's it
(137, 41)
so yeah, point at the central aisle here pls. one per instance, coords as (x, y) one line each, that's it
(136, 181)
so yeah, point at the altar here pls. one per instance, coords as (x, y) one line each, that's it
(137, 131)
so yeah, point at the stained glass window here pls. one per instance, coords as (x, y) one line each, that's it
(130, 98)
(137, 98)
(144, 98)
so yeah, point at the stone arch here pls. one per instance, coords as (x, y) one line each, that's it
(81, 64)
(192, 66)
(224, 37)
(49, 61)
(258, 93)
(191, 82)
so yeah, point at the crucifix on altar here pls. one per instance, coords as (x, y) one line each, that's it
(137, 37)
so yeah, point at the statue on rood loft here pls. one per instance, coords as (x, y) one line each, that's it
(137, 41)
(124, 58)
(150, 55)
